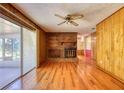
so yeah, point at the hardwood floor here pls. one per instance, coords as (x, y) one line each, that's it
(67, 75)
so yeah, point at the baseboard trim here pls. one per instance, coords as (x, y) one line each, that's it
(112, 75)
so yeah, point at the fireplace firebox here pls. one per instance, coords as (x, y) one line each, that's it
(70, 52)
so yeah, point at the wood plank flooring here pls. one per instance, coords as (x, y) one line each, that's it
(80, 75)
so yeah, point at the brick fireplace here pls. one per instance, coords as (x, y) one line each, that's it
(61, 46)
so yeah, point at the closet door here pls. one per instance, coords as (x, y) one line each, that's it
(29, 50)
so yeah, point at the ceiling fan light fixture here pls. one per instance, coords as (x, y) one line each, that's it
(69, 19)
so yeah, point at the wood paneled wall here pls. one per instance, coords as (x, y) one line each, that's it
(110, 44)
(61, 39)
(12, 14)
(41, 47)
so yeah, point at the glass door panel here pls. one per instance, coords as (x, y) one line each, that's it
(10, 60)
(29, 50)
(1, 49)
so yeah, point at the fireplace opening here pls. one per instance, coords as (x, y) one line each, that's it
(70, 52)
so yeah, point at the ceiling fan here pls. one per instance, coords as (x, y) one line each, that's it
(69, 19)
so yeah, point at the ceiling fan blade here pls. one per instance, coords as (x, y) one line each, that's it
(73, 23)
(76, 17)
(60, 16)
(62, 23)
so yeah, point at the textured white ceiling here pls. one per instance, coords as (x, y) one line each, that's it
(43, 15)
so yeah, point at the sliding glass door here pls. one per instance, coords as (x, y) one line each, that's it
(17, 51)
(10, 52)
